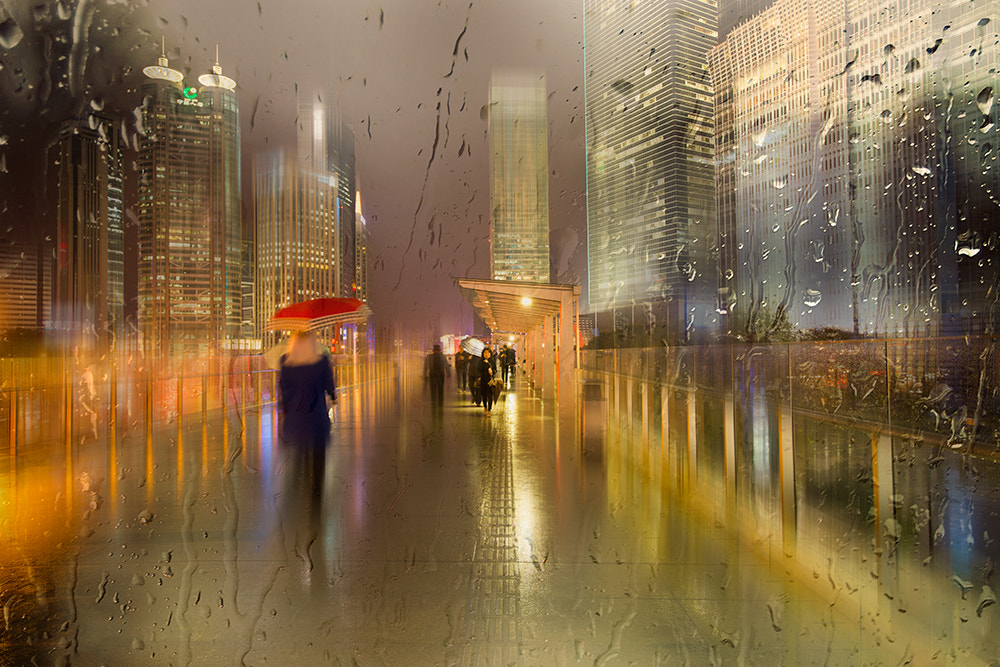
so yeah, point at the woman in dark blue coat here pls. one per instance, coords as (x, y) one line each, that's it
(305, 379)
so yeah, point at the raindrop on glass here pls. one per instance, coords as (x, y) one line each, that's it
(985, 100)
(10, 34)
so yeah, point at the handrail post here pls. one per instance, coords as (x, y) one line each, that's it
(180, 406)
(12, 418)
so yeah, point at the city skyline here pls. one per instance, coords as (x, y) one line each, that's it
(866, 254)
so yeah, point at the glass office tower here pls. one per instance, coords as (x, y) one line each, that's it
(856, 168)
(189, 213)
(650, 175)
(519, 194)
(86, 177)
(306, 237)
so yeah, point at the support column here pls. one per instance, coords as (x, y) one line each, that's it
(566, 349)
(692, 433)
(548, 358)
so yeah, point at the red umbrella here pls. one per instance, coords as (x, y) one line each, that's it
(318, 313)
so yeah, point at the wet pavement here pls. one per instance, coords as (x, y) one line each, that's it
(440, 538)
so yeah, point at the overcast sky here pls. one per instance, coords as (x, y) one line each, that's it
(393, 69)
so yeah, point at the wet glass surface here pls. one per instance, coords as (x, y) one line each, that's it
(782, 445)
(452, 537)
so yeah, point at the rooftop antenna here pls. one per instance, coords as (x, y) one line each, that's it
(217, 68)
(162, 61)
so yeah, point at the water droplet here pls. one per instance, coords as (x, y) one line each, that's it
(779, 183)
(10, 34)
(812, 298)
(923, 171)
(985, 100)
(968, 251)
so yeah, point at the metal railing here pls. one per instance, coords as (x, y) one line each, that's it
(862, 460)
(68, 400)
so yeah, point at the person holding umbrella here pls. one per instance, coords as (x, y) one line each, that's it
(305, 380)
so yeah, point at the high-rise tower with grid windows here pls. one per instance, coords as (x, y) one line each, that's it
(86, 176)
(520, 176)
(305, 217)
(190, 273)
(650, 173)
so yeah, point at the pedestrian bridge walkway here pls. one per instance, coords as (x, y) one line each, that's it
(441, 537)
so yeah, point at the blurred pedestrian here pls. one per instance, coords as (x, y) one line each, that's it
(436, 369)
(305, 381)
(461, 369)
(487, 371)
(508, 361)
(473, 373)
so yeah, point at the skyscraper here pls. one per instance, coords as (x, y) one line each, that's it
(26, 298)
(361, 264)
(782, 170)
(923, 135)
(189, 212)
(650, 174)
(86, 179)
(305, 237)
(857, 170)
(520, 176)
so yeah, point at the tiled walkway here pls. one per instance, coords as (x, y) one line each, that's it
(440, 539)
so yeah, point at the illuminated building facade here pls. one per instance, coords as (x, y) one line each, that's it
(361, 263)
(923, 148)
(856, 166)
(305, 217)
(26, 298)
(190, 246)
(650, 170)
(519, 194)
(297, 235)
(782, 171)
(86, 177)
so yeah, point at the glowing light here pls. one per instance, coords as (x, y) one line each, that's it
(526, 301)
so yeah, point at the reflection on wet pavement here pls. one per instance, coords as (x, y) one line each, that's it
(453, 538)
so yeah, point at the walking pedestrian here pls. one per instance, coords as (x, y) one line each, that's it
(487, 371)
(435, 371)
(305, 380)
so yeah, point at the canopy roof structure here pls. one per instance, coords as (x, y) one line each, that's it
(545, 314)
(512, 306)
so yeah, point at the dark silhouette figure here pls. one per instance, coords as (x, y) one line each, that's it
(435, 371)
(461, 369)
(473, 372)
(508, 360)
(487, 371)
